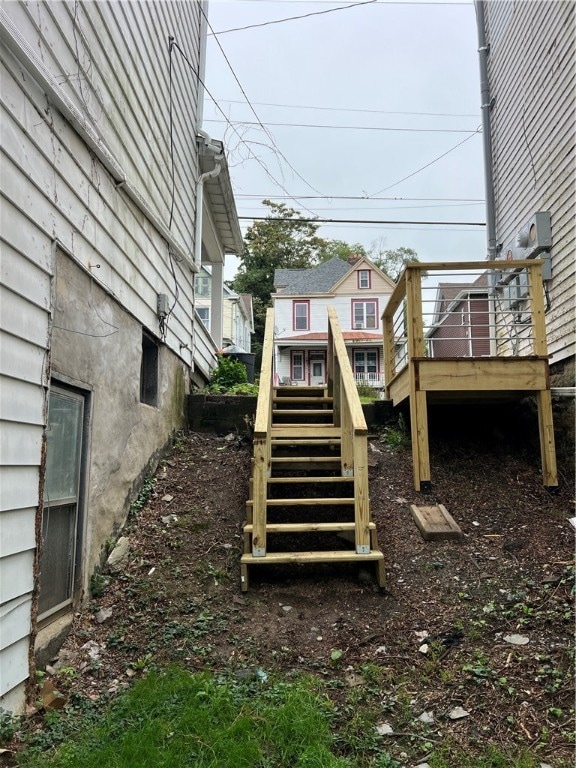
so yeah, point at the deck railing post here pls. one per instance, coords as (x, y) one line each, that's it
(537, 308)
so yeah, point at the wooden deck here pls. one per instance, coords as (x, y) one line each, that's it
(416, 375)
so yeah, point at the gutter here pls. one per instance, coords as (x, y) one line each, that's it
(486, 105)
(27, 57)
(218, 157)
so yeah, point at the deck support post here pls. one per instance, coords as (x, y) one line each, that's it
(547, 445)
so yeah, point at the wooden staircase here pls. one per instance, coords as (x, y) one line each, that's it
(309, 490)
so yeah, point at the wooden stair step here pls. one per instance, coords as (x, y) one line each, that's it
(310, 479)
(304, 459)
(306, 527)
(287, 442)
(343, 556)
(307, 502)
(299, 400)
(304, 430)
(301, 412)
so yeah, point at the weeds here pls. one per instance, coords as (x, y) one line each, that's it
(396, 436)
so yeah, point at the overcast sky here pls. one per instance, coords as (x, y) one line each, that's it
(409, 66)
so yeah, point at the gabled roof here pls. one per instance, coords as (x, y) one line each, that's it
(320, 279)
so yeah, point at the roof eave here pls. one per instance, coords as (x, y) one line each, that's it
(220, 199)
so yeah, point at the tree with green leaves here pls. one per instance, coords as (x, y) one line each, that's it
(341, 250)
(391, 260)
(284, 240)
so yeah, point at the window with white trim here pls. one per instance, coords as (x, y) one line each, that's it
(203, 286)
(204, 315)
(364, 278)
(301, 315)
(366, 364)
(364, 315)
(297, 366)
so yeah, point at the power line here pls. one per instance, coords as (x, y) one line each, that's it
(400, 208)
(366, 197)
(259, 122)
(344, 127)
(320, 220)
(292, 18)
(263, 165)
(350, 109)
(385, 189)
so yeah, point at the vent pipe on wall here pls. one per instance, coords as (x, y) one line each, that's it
(486, 105)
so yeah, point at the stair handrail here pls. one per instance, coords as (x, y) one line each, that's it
(262, 439)
(340, 373)
(349, 416)
(263, 418)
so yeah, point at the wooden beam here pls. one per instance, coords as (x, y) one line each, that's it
(304, 430)
(482, 374)
(305, 502)
(361, 500)
(347, 444)
(343, 556)
(258, 503)
(309, 527)
(264, 402)
(536, 293)
(547, 444)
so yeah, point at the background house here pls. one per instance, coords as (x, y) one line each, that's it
(527, 53)
(237, 321)
(108, 210)
(357, 290)
(460, 324)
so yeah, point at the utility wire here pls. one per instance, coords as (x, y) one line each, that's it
(320, 220)
(385, 189)
(292, 18)
(259, 122)
(350, 109)
(345, 127)
(255, 157)
(366, 197)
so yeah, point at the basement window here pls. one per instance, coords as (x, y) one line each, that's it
(149, 371)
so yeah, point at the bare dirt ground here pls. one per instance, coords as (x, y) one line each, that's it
(178, 598)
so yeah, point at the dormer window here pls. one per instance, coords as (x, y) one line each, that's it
(364, 280)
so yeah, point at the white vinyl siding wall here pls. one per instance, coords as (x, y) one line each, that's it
(111, 61)
(532, 80)
(283, 318)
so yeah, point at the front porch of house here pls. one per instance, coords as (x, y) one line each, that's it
(303, 362)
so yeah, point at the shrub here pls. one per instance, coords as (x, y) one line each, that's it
(227, 374)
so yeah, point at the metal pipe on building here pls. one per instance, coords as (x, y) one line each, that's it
(486, 105)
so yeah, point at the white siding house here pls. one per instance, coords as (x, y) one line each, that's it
(236, 320)
(530, 48)
(358, 291)
(102, 165)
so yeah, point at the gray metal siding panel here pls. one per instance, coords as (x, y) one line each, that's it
(532, 80)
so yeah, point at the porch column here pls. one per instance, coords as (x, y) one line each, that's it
(217, 303)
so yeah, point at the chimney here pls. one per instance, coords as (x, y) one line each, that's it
(354, 259)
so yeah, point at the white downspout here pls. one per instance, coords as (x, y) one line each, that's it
(198, 226)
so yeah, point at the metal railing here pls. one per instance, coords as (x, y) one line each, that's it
(474, 309)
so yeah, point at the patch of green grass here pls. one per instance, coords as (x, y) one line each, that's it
(493, 756)
(175, 719)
